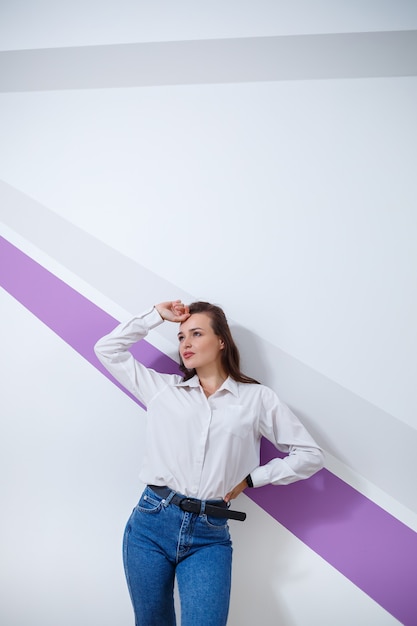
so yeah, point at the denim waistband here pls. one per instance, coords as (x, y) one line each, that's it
(216, 508)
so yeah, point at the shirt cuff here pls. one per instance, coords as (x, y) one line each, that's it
(260, 476)
(151, 318)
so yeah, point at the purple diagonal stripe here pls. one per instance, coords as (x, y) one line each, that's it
(78, 321)
(377, 552)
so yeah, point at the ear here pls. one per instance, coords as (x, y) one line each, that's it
(221, 344)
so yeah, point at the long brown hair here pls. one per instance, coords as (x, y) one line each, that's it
(230, 354)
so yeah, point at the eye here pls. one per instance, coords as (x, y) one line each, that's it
(197, 333)
(180, 338)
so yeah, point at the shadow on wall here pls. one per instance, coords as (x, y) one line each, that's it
(313, 397)
(291, 379)
(309, 509)
(263, 567)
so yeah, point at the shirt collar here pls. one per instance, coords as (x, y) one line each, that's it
(191, 382)
(229, 384)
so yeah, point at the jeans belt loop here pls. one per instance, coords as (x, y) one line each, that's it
(168, 499)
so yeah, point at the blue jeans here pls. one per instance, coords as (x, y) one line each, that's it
(162, 541)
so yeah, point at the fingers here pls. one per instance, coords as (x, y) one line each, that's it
(231, 495)
(235, 491)
(173, 311)
(179, 307)
(180, 310)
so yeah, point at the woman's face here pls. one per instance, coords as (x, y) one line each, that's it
(199, 345)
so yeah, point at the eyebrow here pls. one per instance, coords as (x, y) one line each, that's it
(191, 330)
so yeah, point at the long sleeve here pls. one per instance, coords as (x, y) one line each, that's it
(285, 431)
(113, 352)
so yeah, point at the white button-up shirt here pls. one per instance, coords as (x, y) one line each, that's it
(203, 447)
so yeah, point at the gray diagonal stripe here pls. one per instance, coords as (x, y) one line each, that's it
(301, 57)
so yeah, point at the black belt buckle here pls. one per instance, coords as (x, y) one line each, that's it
(190, 505)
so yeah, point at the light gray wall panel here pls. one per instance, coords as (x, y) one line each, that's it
(303, 57)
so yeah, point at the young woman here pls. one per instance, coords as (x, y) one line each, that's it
(203, 443)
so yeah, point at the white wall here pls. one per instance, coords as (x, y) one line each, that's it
(48, 24)
(291, 204)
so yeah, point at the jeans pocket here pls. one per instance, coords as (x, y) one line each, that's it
(149, 503)
(215, 523)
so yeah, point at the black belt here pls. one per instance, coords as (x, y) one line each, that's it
(215, 508)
